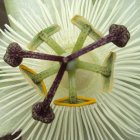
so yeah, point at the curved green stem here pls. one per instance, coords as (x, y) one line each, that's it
(52, 43)
(81, 22)
(45, 36)
(104, 70)
(81, 38)
(72, 71)
(46, 73)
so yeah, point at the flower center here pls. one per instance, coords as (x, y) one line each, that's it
(42, 111)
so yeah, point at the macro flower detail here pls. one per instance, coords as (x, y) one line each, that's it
(86, 71)
(42, 111)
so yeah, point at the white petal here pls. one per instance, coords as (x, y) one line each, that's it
(115, 115)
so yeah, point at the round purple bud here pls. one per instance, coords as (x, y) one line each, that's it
(120, 34)
(13, 55)
(42, 114)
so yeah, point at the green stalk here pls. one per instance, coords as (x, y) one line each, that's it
(45, 36)
(81, 39)
(72, 86)
(72, 73)
(52, 43)
(104, 70)
(86, 30)
(46, 73)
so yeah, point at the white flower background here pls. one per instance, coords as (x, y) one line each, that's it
(116, 115)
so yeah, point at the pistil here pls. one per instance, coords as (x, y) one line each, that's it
(42, 110)
(15, 54)
(118, 34)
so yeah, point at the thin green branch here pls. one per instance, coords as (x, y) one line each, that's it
(94, 68)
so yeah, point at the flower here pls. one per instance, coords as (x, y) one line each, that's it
(115, 115)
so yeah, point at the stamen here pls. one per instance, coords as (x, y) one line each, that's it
(80, 22)
(29, 74)
(72, 87)
(109, 63)
(46, 73)
(82, 37)
(81, 101)
(86, 29)
(14, 55)
(42, 110)
(71, 67)
(118, 34)
(45, 35)
(104, 70)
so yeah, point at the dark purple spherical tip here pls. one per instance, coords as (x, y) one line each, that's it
(121, 34)
(13, 55)
(41, 114)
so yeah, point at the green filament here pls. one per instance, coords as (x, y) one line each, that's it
(45, 74)
(45, 36)
(104, 70)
